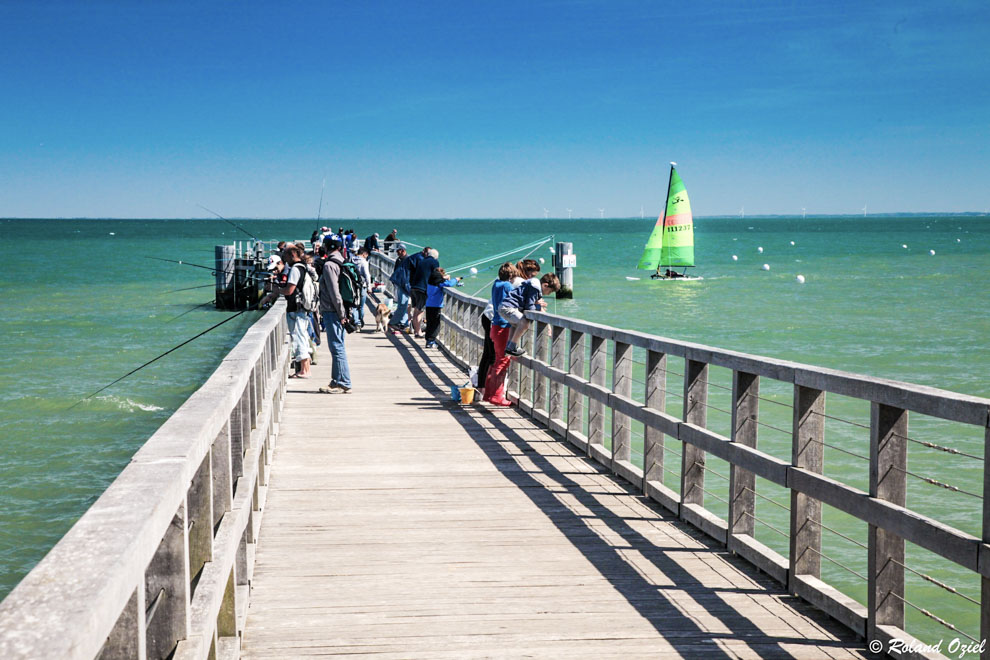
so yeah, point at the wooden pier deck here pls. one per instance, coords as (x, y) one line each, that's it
(402, 525)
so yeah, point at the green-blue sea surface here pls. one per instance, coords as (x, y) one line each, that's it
(896, 297)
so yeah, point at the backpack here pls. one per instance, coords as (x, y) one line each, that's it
(306, 296)
(349, 284)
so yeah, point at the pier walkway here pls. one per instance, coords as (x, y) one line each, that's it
(400, 524)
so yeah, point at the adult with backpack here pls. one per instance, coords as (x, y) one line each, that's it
(335, 317)
(364, 275)
(299, 291)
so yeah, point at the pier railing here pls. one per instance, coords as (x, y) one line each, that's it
(160, 565)
(578, 379)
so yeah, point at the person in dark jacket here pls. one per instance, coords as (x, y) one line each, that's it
(400, 289)
(419, 277)
(372, 243)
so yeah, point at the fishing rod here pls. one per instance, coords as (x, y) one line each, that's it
(230, 221)
(320, 210)
(171, 350)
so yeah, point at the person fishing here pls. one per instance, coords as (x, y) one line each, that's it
(298, 318)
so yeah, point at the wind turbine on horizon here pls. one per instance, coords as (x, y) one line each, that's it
(601, 213)
(864, 210)
(642, 215)
(568, 214)
(742, 211)
(546, 213)
(804, 212)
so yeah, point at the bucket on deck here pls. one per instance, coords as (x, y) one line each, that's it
(455, 393)
(467, 395)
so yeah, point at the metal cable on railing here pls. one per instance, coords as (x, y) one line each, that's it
(840, 534)
(764, 497)
(715, 472)
(933, 617)
(708, 492)
(771, 426)
(766, 524)
(844, 451)
(839, 564)
(839, 419)
(932, 445)
(936, 482)
(929, 578)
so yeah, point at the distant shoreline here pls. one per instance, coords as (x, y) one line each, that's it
(809, 216)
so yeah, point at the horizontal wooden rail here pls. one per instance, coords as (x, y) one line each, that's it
(160, 565)
(551, 362)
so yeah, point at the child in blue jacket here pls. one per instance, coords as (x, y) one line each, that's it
(439, 280)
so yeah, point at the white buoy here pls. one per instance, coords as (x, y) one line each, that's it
(792, 242)
(474, 271)
(931, 252)
(735, 258)
(958, 240)
(552, 251)
(631, 279)
(760, 250)
(541, 260)
(113, 233)
(766, 266)
(800, 279)
(903, 245)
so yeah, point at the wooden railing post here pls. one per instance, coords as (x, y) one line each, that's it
(742, 483)
(128, 639)
(888, 461)
(558, 360)
(808, 453)
(596, 409)
(695, 412)
(985, 581)
(199, 505)
(540, 381)
(575, 401)
(167, 590)
(621, 385)
(656, 398)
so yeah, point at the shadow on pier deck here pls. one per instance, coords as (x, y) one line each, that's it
(403, 525)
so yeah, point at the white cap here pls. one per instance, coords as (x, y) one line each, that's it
(273, 262)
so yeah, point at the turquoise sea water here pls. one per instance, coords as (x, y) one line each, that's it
(84, 305)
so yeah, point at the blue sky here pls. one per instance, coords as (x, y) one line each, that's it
(498, 109)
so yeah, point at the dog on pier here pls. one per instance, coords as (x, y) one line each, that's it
(382, 315)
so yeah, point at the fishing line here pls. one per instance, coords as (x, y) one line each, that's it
(231, 222)
(190, 288)
(213, 270)
(534, 245)
(208, 302)
(320, 211)
(525, 256)
(171, 350)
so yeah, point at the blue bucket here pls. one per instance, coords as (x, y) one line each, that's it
(455, 393)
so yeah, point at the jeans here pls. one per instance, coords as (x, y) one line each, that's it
(299, 325)
(360, 309)
(400, 317)
(340, 374)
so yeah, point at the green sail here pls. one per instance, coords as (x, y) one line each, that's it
(672, 240)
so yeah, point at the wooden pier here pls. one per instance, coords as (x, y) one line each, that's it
(404, 525)
(267, 520)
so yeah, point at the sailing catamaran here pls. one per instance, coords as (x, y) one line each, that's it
(671, 244)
